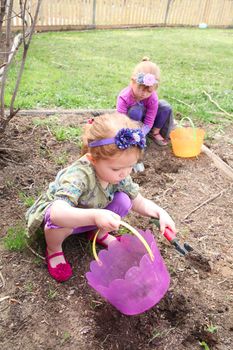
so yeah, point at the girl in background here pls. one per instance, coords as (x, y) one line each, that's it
(140, 102)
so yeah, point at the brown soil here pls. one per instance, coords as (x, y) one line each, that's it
(38, 313)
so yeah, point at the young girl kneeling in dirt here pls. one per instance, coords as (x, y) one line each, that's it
(140, 102)
(94, 192)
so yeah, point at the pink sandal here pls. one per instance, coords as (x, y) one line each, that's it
(61, 272)
(159, 140)
(100, 241)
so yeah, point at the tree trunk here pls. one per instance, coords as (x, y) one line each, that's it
(2, 14)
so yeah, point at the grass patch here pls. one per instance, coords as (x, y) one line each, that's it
(52, 293)
(61, 159)
(204, 345)
(67, 133)
(65, 337)
(60, 132)
(16, 239)
(88, 69)
(27, 201)
(212, 329)
(50, 122)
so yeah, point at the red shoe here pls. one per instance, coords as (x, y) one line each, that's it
(100, 241)
(62, 272)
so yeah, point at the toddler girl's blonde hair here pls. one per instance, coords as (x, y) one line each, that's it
(146, 66)
(107, 126)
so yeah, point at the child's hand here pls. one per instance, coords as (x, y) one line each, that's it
(106, 220)
(146, 207)
(166, 221)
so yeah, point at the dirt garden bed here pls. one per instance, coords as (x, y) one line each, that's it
(38, 313)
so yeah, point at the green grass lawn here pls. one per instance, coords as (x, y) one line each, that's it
(87, 69)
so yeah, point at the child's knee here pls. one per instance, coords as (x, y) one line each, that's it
(135, 113)
(122, 204)
(165, 107)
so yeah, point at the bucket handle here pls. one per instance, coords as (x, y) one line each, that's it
(135, 232)
(192, 124)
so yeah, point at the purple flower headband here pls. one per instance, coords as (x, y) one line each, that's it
(146, 79)
(124, 139)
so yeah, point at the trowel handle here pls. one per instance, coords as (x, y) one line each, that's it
(169, 234)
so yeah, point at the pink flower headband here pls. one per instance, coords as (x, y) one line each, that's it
(146, 79)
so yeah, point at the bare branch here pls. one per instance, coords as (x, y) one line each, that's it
(26, 46)
(13, 16)
(25, 38)
(16, 43)
(34, 21)
(2, 65)
(2, 13)
(9, 7)
(23, 11)
(3, 75)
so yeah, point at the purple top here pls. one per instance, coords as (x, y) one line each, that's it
(126, 100)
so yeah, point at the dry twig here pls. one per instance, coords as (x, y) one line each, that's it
(217, 105)
(2, 279)
(35, 253)
(4, 298)
(184, 103)
(3, 149)
(205, 202)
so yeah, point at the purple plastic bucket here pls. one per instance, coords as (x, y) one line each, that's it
(126, 276)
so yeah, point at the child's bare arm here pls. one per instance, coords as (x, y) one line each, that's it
(63, 214)
(148, 208)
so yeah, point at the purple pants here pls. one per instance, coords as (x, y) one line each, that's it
(163, 120)
(121, 205)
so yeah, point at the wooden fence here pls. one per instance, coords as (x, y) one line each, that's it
(81, 14)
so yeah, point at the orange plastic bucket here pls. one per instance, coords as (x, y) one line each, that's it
(187, 141)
